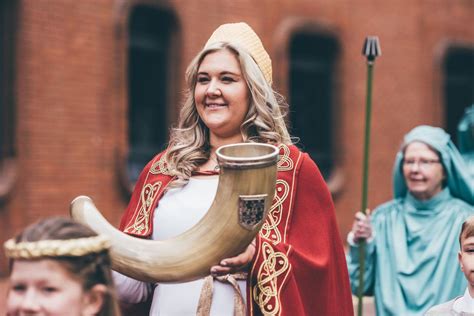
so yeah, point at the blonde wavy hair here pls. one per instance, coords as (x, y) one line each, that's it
(189, 145)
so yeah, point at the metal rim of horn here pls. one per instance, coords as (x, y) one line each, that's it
(244, 195)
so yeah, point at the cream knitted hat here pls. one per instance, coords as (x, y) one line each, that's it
(243, 35)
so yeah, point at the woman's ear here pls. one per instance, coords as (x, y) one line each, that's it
(94, 300)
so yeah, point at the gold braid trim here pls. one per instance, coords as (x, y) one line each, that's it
(56, 248)
(160, 167)
(285, 163)
(147, 197)
(269, 228)
(266, 293)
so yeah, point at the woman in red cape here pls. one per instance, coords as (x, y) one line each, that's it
(296, 264)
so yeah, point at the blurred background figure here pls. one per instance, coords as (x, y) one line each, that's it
(466, 138)
(412, 240)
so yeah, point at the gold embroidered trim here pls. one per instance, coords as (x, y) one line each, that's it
(265, 292)
(160, 167)
(269, 229)
(147, 197)
(292, 196)
(284, 162)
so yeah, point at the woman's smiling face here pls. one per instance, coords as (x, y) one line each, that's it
(221, 95)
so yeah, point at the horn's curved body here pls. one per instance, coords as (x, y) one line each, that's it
(244, 195)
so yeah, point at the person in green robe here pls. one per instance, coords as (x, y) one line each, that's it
(412, 243)
(465, 133)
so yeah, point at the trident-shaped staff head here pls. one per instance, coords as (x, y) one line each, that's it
(371, 48)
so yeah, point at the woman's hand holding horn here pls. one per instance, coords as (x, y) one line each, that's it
(237, 263)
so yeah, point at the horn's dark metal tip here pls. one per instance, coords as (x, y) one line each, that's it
(371, 48)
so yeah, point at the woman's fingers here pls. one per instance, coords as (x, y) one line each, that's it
(234, 264)
(220, 270)
(362, 234)
(359, 216)
(362, 228)
(230, 265)
(238, 261)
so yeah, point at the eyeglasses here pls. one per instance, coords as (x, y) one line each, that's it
(423, 164)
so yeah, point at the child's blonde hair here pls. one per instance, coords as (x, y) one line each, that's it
(467, 230)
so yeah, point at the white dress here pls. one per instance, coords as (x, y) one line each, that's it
(178, 210)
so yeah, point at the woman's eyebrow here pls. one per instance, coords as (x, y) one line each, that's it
(224, 72)
(227, 72)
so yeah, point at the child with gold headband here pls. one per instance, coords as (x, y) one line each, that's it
(60, 267)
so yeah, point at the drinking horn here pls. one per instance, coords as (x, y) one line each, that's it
(244, 195)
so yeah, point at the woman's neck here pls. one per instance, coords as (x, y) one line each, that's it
(217, 141)
(427, 195)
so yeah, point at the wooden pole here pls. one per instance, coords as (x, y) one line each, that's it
(371, 50)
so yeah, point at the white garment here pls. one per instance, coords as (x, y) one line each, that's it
(464, 303)
(178, 210)
(459, 306)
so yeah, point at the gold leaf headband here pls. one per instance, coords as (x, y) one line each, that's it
(56, 248)
(243, 35)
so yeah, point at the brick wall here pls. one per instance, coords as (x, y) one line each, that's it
(67, 111)
(71, 89)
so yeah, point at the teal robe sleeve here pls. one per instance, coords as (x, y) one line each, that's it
(369, 267)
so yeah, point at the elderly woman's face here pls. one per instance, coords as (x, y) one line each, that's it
(221, 95)
(422, 170)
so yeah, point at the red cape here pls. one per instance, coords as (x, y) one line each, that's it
(300, 266)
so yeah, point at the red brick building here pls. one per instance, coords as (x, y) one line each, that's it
(84, 82)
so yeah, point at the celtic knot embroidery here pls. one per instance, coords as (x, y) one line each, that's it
(160, 167)
(269, 229)
(284, 162)
(265, 292)
(147, 196)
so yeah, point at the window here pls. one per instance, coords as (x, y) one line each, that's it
(6, 79)
(7, 99)
(150, 32)
(312, 96)
(458, 71)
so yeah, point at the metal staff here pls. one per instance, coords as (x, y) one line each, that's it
(371, 50)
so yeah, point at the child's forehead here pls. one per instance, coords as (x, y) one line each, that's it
(467, 240)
